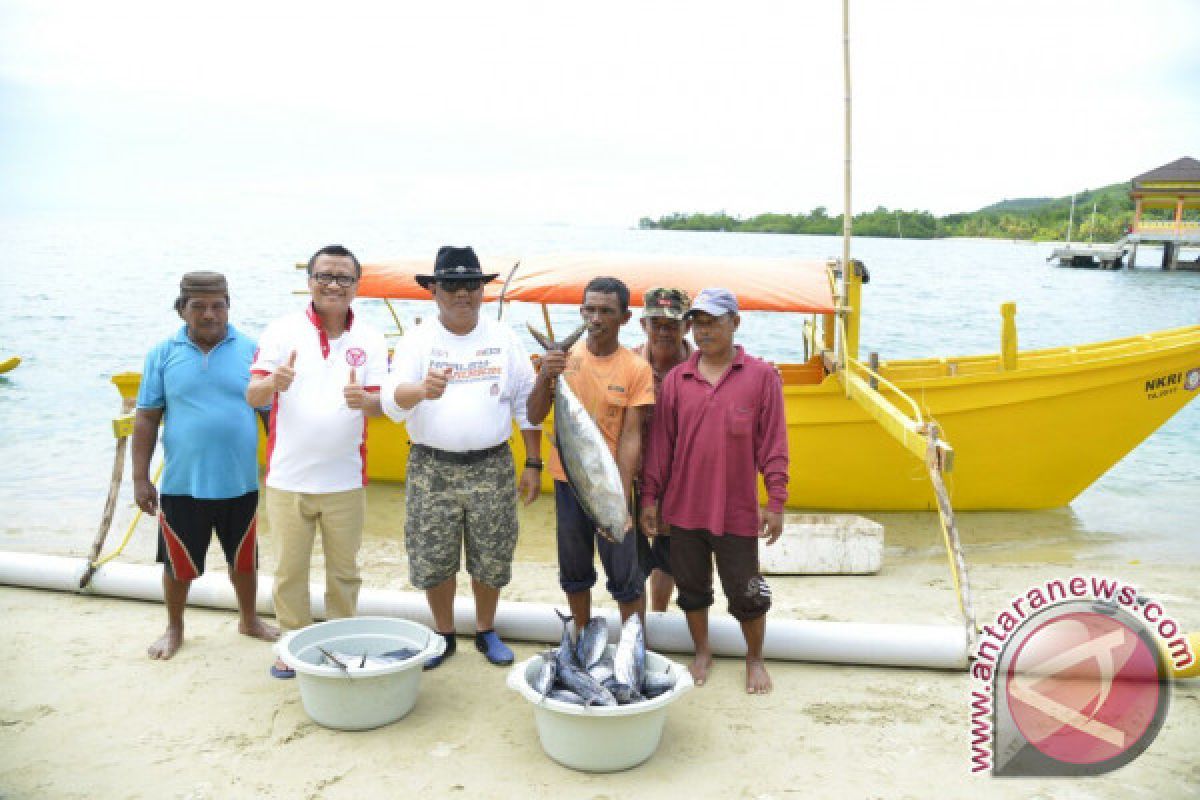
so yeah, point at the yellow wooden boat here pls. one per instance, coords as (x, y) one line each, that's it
(1011, 430)
(1021, 430)
(9, 364)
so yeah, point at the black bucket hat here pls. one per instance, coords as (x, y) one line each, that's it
(455, 264)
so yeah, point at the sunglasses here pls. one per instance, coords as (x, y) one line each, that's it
(326, 278)
(453, 286)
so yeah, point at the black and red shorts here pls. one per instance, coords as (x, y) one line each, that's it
(185, 529)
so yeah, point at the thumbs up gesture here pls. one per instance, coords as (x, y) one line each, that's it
(284, 374)
(354, 393)
(435, 382)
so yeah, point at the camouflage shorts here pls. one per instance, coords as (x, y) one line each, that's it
(452, 505)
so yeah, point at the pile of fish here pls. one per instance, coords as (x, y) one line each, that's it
(350, 663)
(582, 671)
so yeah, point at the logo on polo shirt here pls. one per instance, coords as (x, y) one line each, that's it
(356, 356)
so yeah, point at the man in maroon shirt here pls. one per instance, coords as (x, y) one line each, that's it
(718, 423)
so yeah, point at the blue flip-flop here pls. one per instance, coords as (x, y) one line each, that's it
(282, 674)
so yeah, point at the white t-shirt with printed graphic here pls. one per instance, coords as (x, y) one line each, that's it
(317, 443)
(488, 388)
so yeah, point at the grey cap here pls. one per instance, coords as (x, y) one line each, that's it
(715, 301)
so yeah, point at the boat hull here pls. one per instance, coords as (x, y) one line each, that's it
(1029, 438)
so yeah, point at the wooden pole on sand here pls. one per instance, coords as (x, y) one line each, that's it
(126, 383)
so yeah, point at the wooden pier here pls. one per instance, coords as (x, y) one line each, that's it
(1090, 256)
(1166, 214)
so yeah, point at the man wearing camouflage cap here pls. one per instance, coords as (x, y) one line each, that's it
(718, 425)
(196, 381)
(663, 310)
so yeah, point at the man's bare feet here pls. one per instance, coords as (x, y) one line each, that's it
(700, 667)
(259, 630)
(757, 679)
(166, 645)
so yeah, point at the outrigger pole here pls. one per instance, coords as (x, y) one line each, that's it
(126, 384)
(920, 437)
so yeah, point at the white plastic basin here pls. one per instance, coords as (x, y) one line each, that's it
(366, 698)
(600, 738)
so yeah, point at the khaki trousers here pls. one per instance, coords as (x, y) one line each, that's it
(293, 518)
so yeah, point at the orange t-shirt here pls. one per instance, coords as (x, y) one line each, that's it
(606, 385)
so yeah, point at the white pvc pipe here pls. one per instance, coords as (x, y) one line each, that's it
(930, 646)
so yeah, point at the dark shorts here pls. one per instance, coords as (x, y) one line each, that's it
(186, 525)
(692, 556)
(578, 543)
(653, 553)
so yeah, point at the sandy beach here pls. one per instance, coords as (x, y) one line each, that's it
(84, 713)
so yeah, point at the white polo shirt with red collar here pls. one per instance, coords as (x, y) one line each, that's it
(318, 444)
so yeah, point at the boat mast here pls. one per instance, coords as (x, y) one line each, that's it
(847, 214)
(920, 436)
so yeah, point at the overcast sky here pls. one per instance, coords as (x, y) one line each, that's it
(584, 112)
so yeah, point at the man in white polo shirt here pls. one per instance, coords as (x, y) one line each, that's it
(458, 382)
(320, 370)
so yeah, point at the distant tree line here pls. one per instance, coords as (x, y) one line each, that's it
(1042, 218)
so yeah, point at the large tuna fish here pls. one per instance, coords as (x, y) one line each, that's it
(591, 469)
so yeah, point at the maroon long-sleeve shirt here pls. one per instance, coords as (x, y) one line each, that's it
(709, 443)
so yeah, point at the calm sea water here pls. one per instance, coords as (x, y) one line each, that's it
(84, 299)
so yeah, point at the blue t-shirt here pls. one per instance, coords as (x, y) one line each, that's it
(210, 435)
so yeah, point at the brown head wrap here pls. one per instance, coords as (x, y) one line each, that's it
(200, 283)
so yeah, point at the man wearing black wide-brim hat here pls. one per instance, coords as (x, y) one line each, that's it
(458, 382)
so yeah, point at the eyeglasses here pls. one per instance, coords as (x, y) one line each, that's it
(326, 278)
(454, 286)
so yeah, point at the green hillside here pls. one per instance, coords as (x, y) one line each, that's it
(1039, 218)
(1020, 204)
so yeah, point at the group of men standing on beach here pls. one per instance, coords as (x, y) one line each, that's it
(690, 428)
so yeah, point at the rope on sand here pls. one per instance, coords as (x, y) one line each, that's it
(97, 564)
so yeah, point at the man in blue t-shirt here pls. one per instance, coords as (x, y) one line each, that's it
(195, 382)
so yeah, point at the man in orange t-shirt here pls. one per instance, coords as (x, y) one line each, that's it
(617, 389)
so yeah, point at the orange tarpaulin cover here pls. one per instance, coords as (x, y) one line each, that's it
(761, 284)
